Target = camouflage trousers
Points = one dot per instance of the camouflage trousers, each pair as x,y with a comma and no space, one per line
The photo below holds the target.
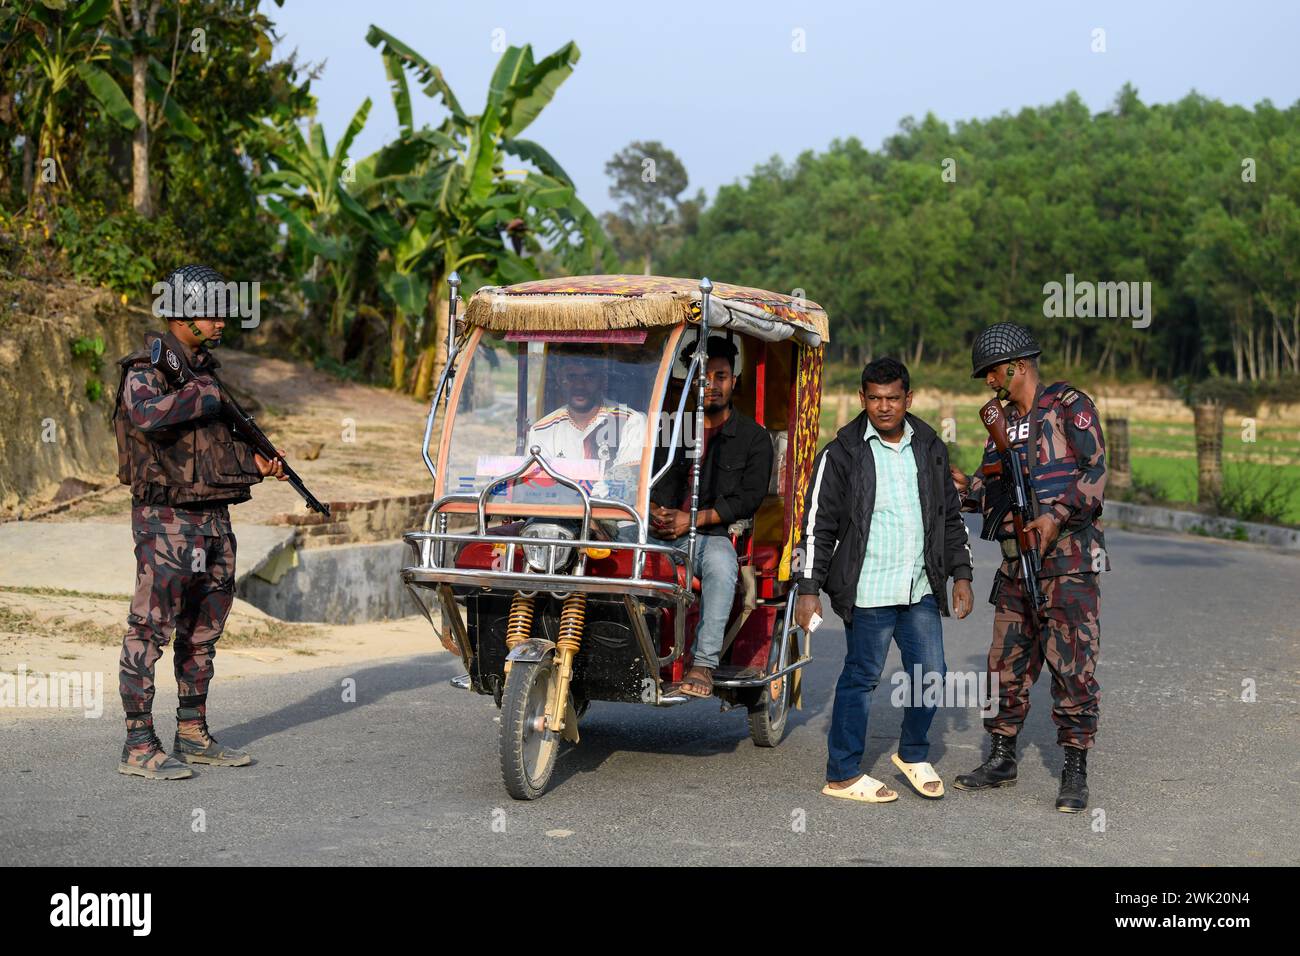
184,583
1068,639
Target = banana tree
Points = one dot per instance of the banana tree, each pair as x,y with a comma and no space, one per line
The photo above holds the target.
476,216
310,183
399,274
65,54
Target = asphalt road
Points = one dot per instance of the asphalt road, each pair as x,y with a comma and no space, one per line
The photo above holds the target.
1185,771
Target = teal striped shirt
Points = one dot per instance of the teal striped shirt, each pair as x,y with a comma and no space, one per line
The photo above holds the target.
893,569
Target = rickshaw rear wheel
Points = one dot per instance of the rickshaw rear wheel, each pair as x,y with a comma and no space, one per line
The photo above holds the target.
527,752
768,714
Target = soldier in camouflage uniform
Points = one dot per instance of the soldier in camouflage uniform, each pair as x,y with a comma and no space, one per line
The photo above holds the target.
1067,477
185,467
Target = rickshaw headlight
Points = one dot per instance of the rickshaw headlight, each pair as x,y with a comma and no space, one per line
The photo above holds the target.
538,555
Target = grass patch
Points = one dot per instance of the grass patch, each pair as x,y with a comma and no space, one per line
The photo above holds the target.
64,592
1165,479
1251,491
21,622
271,633
267,634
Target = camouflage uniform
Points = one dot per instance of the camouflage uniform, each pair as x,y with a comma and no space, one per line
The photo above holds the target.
185,468
185,581
1067,480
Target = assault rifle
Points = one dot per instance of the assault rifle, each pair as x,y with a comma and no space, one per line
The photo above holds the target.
1014,497
177,371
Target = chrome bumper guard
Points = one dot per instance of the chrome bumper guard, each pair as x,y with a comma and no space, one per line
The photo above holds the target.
431,574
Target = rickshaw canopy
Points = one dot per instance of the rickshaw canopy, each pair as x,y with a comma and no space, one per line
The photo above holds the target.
604,302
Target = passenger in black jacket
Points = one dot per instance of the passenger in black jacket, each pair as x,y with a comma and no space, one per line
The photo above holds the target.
734,474
883,534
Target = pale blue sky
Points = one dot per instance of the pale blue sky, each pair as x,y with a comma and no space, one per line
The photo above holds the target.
718,82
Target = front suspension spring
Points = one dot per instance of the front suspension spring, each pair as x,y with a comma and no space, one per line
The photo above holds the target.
573,619
520,626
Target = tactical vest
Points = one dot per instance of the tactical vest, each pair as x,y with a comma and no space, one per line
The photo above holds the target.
1053,467
197,463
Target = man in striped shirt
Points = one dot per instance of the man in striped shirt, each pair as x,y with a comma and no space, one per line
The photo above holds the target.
884,533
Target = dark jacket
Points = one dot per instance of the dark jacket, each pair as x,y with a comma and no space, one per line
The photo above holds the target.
173,448
734,475
837,516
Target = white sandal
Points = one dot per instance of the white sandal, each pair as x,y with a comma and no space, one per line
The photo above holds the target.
918,775
864,790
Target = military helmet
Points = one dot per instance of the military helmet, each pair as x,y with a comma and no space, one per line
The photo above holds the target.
194,292
1003,342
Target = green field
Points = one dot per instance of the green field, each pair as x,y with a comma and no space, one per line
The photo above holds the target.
1162,455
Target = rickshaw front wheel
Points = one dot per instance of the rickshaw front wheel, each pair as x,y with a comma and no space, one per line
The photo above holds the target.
528,749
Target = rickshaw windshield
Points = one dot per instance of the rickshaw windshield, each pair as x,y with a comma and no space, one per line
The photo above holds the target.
582,399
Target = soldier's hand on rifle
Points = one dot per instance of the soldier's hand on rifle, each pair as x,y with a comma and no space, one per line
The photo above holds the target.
963,599
1047,529
959,479
273,468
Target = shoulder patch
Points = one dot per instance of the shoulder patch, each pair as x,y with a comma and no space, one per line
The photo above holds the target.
1069,396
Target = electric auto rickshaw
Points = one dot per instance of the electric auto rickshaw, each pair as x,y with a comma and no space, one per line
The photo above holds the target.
537,564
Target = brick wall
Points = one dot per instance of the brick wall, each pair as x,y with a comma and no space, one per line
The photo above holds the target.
381,519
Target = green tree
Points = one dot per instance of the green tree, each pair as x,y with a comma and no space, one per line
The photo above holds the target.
61,56
309,181
648,180
444,199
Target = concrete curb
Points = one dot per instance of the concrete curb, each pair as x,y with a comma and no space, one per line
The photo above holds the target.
343,584
98,557
1188,522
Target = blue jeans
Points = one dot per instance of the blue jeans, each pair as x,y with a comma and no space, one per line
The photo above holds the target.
717,568
918,629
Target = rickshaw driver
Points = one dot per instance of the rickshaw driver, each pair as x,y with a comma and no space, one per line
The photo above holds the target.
589,425
735,470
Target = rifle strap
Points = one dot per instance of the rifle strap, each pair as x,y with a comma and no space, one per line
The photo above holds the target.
1031,452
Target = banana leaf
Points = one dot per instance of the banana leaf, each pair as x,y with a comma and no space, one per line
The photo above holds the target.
528,96
108,94
531,152
435,85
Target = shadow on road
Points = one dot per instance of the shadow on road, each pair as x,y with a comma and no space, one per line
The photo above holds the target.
377,682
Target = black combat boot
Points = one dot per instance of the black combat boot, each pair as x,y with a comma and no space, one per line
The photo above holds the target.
194,744
998,771
1073,795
